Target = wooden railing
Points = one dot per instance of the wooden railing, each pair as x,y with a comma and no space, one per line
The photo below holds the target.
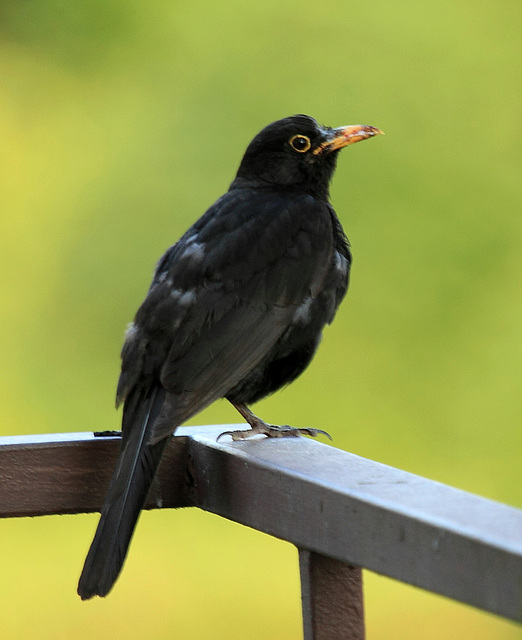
343,513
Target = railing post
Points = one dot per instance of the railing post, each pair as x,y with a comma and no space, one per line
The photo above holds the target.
332,598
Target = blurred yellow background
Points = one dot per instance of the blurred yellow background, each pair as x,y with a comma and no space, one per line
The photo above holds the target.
120,123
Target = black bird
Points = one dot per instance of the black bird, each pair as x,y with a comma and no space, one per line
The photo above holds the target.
235,310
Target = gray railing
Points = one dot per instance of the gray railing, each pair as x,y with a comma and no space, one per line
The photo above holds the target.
343,513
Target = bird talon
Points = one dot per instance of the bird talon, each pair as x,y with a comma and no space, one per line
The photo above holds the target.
237,435
315,432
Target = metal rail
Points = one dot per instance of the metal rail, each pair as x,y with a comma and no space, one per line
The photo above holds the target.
343,512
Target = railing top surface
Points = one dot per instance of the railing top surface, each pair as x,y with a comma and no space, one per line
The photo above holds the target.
332,502
378,484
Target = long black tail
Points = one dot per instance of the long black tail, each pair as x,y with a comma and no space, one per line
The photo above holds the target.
130,485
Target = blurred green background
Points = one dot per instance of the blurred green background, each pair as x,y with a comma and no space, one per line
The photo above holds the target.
120,122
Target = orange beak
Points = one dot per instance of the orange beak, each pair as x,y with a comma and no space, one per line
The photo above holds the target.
343,136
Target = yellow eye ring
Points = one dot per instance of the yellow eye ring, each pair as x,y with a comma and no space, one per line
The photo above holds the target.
300,143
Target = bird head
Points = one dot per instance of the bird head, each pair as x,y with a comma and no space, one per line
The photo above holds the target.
298,152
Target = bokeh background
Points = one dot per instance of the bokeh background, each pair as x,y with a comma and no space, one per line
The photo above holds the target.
120,122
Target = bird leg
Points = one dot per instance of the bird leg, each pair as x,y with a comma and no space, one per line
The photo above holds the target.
258,426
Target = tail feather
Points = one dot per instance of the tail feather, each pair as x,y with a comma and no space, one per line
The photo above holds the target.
130,485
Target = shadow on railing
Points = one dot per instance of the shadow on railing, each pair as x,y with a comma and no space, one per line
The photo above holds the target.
343,513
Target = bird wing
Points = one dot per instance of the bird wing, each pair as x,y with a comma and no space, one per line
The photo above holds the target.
223,295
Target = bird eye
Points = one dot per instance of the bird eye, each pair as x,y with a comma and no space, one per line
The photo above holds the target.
300,143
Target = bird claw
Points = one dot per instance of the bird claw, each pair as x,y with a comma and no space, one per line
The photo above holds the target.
274,431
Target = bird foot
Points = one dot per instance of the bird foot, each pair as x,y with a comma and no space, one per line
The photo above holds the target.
274,431
260,427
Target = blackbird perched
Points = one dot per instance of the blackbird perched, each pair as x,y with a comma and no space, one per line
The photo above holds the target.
235,310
